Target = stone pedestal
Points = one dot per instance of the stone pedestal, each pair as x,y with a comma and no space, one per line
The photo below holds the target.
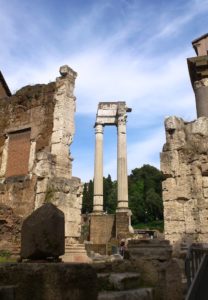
101,228
76,253
98,171
123,223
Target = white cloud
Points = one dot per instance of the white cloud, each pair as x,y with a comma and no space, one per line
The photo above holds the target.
114,61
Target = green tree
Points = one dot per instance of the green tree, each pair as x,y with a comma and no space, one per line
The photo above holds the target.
109,194
145,194
87,201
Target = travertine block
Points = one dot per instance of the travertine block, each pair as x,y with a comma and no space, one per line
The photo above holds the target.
175,226
205,181
200,126
171,207
184,161
205,190
204,168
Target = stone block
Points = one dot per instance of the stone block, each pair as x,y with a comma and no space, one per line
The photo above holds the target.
119,281
142,294
204,168
42,185
205,192
200,126
7,292
205,181
174,226
43,233
50,281
174,206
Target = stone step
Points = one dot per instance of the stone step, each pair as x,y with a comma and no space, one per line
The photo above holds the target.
141,294
118,281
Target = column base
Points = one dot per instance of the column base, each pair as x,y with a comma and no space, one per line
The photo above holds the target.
76,253
124,209
100,213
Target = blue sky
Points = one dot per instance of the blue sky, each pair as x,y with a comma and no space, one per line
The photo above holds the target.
123,50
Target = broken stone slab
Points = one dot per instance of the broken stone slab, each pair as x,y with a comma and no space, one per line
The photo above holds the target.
42,234
141,294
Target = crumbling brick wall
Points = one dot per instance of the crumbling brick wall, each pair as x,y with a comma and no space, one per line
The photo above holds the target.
36,129
31,108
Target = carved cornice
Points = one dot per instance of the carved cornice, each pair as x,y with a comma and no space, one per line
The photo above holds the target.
198,68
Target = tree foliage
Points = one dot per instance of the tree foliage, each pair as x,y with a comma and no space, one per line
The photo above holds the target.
145,194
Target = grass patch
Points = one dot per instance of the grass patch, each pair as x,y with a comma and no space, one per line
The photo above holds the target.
5,256
7,259
159,225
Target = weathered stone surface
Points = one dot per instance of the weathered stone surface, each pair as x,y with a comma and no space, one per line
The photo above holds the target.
141,294
46,112
153,259
10,227
42,234
44,281
7,292
184,162
119,281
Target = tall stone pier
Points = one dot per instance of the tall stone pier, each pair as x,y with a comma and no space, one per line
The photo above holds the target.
111,114
184,162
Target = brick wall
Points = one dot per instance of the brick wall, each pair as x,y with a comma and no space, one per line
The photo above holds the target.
18,153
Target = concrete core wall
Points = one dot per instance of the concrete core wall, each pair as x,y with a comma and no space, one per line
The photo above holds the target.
36,130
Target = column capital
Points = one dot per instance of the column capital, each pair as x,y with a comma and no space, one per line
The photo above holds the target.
122,119
98,128
199,83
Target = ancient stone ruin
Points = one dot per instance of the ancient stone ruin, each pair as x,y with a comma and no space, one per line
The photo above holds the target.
184,162
110,114
36,130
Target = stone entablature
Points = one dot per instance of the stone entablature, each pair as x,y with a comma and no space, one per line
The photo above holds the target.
46,114
184,163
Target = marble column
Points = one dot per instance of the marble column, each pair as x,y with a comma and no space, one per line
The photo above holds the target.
201,95
122,177
98,170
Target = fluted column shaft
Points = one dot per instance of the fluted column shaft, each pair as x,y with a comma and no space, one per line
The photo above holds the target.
98,170
122,178
201,95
